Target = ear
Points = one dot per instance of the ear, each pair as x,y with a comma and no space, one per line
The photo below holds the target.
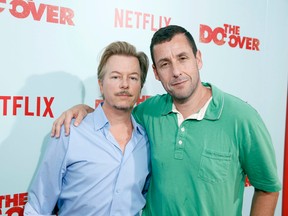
155,72
100,83
199,59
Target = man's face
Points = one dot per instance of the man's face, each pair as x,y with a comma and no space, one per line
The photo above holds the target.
177,68
121,85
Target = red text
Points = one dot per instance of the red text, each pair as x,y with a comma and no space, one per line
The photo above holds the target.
1,8
39,106
139,20
41,12
230,33
13,204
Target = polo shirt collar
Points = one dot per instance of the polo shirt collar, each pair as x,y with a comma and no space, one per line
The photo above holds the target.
216,105
169,105
214,109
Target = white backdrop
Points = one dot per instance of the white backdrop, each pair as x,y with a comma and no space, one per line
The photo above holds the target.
49,55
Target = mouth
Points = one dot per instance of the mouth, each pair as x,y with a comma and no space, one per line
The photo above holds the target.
124,94
178,82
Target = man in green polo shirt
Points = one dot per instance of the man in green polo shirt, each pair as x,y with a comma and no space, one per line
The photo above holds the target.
204,142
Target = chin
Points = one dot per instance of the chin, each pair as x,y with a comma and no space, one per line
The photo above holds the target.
181,98
123,107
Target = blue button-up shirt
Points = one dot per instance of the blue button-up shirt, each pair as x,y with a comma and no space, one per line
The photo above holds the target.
86,173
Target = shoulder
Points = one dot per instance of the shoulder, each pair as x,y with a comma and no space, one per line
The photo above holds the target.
152,107
86,124
239,107
242,114
154,103
232,104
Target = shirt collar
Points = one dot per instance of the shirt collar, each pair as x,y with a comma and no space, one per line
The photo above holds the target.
198,116
214,109
216,105
101,121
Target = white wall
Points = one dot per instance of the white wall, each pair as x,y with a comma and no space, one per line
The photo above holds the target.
52,66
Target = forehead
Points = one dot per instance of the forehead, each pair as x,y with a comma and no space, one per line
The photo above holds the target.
122,64
178,44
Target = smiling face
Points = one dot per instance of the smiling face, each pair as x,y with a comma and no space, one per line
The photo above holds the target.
121,84
177,68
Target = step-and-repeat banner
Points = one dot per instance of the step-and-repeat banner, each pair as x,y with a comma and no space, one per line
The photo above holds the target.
49,52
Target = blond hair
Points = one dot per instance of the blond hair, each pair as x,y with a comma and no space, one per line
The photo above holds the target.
126,49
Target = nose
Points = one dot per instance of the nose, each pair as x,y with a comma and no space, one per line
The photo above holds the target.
124,83
176,70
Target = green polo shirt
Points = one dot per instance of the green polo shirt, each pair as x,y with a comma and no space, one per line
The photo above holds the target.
200,167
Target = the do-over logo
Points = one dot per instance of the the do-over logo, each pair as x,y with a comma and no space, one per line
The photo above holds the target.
229,34
22,9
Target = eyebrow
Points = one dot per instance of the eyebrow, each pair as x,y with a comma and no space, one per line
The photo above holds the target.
167,59
182,53
162,60
132,73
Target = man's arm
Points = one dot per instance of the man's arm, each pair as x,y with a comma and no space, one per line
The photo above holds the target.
78,112
46,186
264,203
29,210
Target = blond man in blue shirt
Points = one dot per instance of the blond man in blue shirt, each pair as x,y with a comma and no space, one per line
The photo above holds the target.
103,166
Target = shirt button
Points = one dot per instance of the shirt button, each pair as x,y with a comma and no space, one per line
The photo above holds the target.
180,142
117,191
182,129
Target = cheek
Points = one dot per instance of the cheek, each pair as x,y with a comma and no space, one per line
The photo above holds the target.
136,88
164,79
106,88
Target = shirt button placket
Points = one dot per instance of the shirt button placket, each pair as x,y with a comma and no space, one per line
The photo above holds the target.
115,206
179,148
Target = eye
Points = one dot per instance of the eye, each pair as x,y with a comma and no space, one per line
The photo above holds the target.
134,78
114,77
164,64
182,58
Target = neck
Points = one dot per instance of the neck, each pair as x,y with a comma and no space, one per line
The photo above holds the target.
195,102
121,126
117,116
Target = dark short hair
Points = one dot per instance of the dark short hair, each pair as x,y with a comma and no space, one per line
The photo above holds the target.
166,34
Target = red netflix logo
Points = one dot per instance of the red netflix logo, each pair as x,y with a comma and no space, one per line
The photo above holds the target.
39,106
139,20
41,12
13,204
230,34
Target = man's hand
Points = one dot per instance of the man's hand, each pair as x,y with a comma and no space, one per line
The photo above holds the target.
78,112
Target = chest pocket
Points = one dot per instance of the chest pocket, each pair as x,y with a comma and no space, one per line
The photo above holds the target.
214,166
